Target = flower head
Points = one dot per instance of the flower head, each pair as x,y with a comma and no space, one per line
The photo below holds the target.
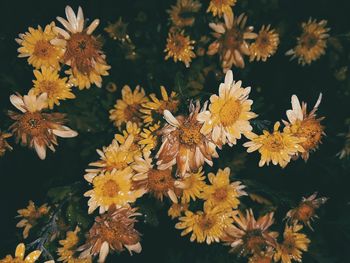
265,45
312,43
177,209
19,256
131,129
221,7
182,14
192,185
149,137
34,128
3,143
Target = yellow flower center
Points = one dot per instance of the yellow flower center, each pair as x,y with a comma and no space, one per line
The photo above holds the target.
160,181
311,130
50,87
33,123
43,49
230,112
110,188
206,223
274,142
220,194
190,133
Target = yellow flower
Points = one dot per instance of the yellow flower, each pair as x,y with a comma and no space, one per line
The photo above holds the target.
222,193
265,44
182,14
112,188
149,137
293,245
82,51
36,45
192,185
312,43
134,130
154,109
276,147
117,30
229,113
127,108
179,47
19,256
305,125
230,43
206,226
3,143
221,7
29,216
48,81
177,209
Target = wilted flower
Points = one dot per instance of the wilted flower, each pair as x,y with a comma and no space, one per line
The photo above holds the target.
3,143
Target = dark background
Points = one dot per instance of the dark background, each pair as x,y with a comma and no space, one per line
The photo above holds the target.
23,176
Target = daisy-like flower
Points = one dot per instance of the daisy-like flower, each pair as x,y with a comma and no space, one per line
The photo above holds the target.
179,47
48,81
34,128
113,231
250,236
118,30
127,108
221,192
192,186
149,137
305,125
19,256
160,183
293,245
112,157
177,209
3,143
312,43
265,45
183,143
36,45
182,14
230,43
30,216
67,251
221,7
112,188
82,51
305,212
276,147
229,113
133,129
154,109
206,226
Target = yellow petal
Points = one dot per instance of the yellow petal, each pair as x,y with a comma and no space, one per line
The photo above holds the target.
33,256
20,249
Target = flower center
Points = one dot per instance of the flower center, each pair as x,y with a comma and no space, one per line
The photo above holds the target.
254,240
132,113
263,40
311,130
190,133
43,49
220,194
160,180
206,223
233,38
289,244
230,112
50,87
274,142
305,212
33,123
308,40
110,188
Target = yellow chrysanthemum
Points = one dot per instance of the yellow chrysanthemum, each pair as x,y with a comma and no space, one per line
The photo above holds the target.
179,47
312,43
3,143
276,147
206,226
293,245
130,129
149,138
221,7
192,186
154,109
222,193
177,209
229,113
29,216
48,81
265,45
36,45
112,188
127,108
19,256
182,14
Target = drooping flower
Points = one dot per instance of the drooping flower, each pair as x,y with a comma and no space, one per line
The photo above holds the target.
221,7
183,143
265,45
221,192
117,30
113,231
30,216
305,125
149,138
34,128
305,212
179,47
182,14
127,108
154,109
207,225
229,113
276,147
19,256
249,236
48,81
36,45
3,143
230,43
312,43
82,51
112,188
293,245
177,209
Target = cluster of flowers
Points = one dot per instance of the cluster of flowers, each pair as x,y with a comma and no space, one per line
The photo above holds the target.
234,40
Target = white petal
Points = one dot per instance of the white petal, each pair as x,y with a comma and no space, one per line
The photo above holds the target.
71,18
80,19
171,119
18,102
65,23
40,150
65,133
103,252
92,26
229,77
